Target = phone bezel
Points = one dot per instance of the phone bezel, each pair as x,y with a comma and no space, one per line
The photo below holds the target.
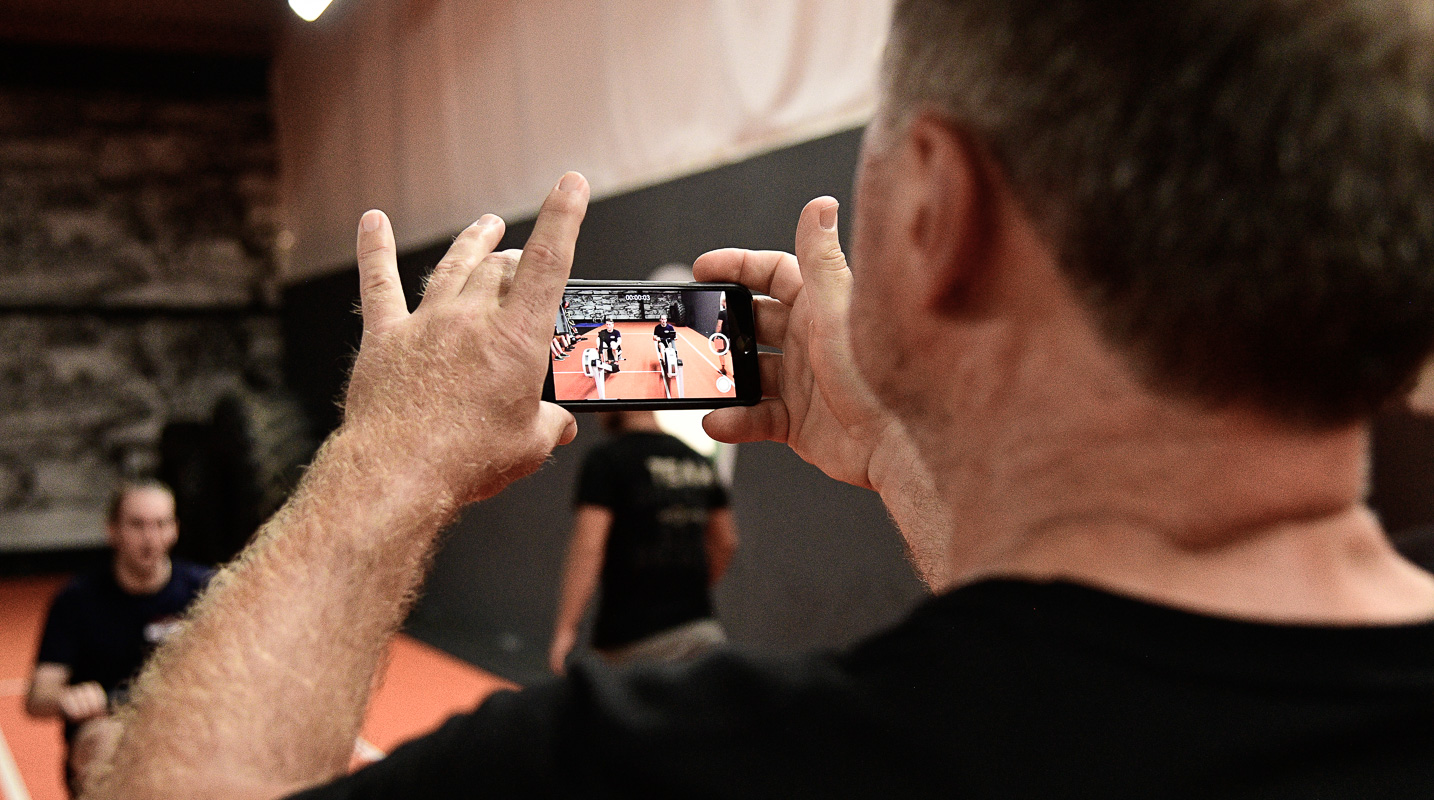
746,375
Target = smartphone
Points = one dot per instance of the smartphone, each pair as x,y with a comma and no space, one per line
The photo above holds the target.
621,346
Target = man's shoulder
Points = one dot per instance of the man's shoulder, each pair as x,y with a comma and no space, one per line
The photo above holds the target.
87,585
642,445
664,442
998,689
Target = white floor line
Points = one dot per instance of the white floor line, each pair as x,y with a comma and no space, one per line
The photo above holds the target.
13,687
12,786
698,348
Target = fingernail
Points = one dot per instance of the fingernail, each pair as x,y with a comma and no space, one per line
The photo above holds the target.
487,220
828,218
370,221
569,182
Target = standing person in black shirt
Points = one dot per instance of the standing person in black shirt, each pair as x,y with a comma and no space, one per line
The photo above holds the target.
1176,255
104,624
722,329
652,526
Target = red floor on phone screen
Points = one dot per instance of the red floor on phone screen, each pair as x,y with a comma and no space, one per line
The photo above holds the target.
639,376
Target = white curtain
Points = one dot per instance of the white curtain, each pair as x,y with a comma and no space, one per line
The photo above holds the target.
440,110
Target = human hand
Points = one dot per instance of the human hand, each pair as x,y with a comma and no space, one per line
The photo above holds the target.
84,701
816,401
451,392
563,643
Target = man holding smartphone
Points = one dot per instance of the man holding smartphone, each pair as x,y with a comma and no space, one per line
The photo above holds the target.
1177,254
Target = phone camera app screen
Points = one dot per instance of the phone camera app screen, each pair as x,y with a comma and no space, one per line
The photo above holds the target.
654,344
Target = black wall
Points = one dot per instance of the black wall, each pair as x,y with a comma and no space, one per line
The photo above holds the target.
820,563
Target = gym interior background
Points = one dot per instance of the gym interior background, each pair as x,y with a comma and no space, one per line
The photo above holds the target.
177,290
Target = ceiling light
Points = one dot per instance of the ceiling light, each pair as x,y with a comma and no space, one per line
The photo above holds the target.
309,9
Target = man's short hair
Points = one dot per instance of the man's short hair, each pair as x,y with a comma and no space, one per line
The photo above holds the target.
1240,192
124,488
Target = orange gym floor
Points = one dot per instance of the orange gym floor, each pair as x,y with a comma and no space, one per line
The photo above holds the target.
640,376
421,688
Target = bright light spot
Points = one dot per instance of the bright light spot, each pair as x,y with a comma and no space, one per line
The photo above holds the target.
309,9
687,426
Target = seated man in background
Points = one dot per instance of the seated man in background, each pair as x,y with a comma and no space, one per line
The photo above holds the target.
610,346
663,333
652,524
664,337
1177,254
104,624
558,349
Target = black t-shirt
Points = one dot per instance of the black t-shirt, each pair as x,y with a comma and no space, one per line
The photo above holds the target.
104,634
609,338
654,573
1004,689
664,333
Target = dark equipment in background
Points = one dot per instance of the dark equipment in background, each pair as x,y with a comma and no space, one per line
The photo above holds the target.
231,473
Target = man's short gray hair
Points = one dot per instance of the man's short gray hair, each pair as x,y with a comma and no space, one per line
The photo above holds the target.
1241,191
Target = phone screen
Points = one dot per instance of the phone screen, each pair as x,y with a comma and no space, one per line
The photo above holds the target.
653,345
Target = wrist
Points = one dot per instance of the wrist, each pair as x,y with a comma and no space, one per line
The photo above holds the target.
379,482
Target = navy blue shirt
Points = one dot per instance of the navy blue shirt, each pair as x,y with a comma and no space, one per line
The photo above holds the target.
104,634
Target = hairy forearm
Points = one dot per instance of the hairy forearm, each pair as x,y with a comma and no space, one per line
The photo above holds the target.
266,688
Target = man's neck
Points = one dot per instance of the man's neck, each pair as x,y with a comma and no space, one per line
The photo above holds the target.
1055,460
1227,514
140,580
1077,471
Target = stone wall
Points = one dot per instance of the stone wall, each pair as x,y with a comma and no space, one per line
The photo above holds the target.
136,286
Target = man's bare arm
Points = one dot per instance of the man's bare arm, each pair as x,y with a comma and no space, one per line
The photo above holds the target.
720,541
51,695
263,692
586,551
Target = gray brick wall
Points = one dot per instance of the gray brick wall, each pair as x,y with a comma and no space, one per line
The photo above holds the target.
136,285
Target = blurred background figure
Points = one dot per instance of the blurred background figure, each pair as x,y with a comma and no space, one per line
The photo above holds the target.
104,624
652,526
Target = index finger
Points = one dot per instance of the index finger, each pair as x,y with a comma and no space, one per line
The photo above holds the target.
380,291
769,272
547,258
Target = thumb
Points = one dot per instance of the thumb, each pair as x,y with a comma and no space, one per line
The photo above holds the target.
556,424
824,272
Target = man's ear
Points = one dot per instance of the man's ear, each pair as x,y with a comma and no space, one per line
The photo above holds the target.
951,214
